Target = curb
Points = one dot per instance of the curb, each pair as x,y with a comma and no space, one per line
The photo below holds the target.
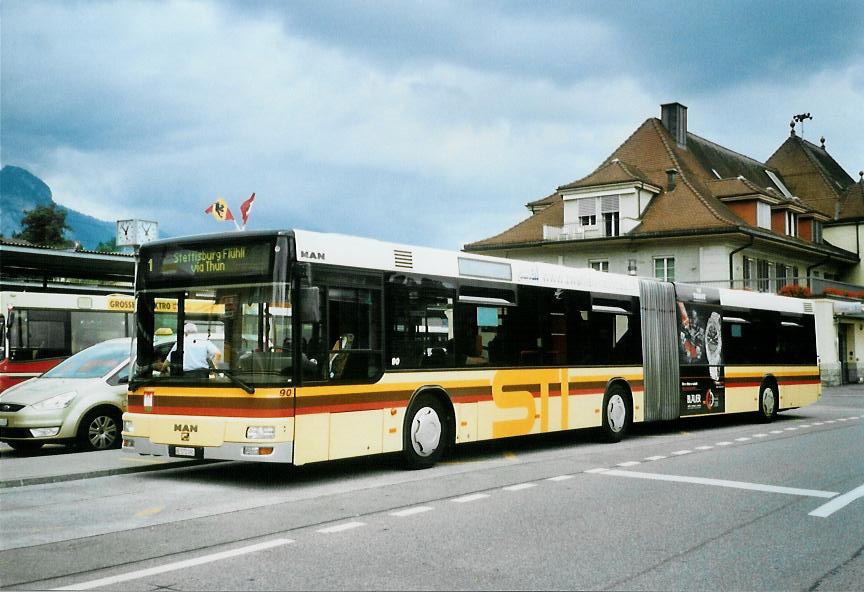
24,481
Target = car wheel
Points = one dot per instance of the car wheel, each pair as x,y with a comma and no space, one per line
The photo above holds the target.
25,445
99,430
427,433
767,403
616,413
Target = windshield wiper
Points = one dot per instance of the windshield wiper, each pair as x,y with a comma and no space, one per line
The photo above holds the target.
244,385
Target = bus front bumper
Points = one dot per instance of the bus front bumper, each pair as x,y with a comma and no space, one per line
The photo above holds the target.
279,452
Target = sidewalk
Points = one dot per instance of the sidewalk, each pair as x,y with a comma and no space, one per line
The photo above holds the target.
55,464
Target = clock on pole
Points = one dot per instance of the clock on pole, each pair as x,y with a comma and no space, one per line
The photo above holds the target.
136,232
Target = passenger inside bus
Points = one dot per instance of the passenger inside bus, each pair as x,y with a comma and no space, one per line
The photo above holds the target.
199,354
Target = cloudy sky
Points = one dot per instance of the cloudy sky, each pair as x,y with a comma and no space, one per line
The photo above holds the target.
431,123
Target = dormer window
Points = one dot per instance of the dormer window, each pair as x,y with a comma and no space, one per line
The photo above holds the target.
763,215
791,223
817,231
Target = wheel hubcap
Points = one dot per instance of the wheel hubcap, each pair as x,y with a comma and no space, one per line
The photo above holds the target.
616,413
768,401
102,432
425,431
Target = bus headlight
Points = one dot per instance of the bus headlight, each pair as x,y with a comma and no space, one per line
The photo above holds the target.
260,433
128,426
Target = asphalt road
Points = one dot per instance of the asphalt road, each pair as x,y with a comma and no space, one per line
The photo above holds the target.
708,503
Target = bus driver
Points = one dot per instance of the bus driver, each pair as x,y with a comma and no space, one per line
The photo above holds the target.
199,355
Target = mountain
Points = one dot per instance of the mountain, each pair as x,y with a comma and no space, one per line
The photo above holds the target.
21,191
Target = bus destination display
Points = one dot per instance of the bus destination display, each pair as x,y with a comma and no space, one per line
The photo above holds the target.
209,262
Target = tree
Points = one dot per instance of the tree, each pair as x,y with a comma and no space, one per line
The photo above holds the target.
44,225
109,246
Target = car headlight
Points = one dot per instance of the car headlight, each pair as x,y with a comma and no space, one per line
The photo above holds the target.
56,402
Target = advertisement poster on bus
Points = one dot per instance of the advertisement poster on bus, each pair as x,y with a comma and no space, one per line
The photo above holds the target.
700,350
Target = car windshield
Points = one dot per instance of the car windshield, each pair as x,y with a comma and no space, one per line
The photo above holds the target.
94,362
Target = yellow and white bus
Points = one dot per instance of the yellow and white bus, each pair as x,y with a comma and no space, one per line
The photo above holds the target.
338,347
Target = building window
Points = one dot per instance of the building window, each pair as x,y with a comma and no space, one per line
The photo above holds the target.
791,223
610,223
749,273
762,275
795,278
587,208
599,264
817,231
664,268
763,215
782,272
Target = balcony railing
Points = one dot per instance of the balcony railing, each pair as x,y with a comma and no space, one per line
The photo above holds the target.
572,232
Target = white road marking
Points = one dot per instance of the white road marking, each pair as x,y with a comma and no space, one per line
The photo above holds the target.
411,511
815,423
776,432
560,478
629,463
599,470
681,452
841,419
469,498
742,439
830,421
760,435
838,503
519,486
789,429
724,443
721,483
658,457
806,425
341,527
704,447
143,573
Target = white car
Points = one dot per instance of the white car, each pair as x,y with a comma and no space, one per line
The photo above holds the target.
79,401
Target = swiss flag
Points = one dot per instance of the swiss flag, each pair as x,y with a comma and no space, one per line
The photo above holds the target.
246,207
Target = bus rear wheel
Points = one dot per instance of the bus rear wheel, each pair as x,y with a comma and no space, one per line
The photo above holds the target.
426,434
768,403
617,414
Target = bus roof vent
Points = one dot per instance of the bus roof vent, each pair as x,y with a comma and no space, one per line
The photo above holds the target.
403,259
808,307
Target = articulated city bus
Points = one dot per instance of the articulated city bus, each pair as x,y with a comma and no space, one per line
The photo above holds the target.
338,347
38,330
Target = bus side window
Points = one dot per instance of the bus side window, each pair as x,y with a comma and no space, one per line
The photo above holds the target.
353,334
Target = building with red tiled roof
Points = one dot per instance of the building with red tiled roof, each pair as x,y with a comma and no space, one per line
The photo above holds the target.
668,203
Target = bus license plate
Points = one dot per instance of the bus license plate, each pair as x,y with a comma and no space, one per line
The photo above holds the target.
184,451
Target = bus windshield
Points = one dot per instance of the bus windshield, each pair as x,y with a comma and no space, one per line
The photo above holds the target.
237,334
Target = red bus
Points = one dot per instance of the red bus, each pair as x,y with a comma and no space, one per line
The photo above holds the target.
38,330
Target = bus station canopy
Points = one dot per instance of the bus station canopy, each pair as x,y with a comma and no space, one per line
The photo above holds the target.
24,266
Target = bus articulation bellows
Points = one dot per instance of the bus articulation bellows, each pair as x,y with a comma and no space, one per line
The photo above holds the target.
338,347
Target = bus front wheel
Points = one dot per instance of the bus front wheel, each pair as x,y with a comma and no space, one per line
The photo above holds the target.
427,432
617,415
768,402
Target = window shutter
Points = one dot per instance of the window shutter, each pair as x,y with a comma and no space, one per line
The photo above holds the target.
608,204
587,206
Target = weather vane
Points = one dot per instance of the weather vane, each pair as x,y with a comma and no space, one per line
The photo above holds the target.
799,119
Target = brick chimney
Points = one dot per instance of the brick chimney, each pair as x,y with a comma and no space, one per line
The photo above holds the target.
674,118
